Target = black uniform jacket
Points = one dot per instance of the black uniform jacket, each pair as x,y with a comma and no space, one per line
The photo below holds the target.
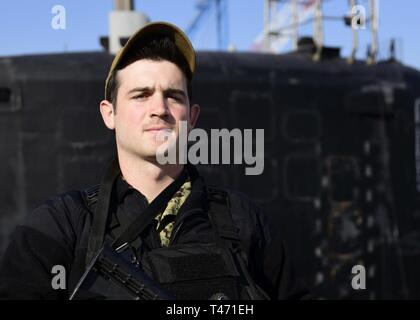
56,233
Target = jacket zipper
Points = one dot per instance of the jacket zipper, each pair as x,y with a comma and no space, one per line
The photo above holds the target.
175,233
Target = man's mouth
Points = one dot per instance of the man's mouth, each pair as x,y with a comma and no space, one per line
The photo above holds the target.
157,129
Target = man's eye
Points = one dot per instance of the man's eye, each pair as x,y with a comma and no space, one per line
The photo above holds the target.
140,96
176,98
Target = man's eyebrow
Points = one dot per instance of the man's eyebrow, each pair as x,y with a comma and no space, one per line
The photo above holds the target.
168,91
140,89
175,91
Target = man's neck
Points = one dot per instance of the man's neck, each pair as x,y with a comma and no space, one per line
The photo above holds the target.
148,177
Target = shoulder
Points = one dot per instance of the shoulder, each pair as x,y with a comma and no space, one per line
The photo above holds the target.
48,236
248,216
242,205
60,216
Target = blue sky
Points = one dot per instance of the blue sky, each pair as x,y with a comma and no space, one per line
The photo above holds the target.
26,25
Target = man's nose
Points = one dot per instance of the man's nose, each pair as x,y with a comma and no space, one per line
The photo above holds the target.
159,106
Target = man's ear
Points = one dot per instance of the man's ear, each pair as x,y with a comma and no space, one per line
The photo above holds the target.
107,112
194,113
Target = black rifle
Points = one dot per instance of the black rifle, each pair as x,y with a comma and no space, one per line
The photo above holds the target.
111,275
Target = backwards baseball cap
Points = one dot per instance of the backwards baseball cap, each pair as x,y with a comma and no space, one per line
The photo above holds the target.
158,29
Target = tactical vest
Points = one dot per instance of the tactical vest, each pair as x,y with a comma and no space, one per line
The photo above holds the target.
188,271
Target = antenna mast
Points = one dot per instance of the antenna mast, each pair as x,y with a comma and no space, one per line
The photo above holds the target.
373,48
318,31
355,35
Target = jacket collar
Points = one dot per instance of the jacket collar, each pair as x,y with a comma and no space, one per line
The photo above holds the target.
195,200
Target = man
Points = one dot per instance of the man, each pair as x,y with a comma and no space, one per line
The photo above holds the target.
194,240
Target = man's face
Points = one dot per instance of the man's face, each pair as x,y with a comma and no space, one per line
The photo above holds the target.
152,97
